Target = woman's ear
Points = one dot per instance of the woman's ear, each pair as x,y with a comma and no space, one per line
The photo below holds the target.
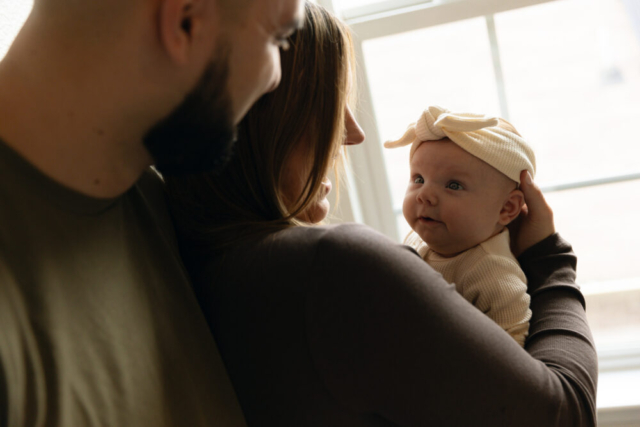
511,207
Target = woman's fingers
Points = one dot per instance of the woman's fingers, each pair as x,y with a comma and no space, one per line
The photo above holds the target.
536,219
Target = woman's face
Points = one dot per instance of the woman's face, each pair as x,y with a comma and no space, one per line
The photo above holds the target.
299,166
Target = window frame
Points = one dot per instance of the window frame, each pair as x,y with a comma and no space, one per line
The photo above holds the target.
369,196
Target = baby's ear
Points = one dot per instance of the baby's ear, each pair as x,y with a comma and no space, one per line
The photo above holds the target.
511,207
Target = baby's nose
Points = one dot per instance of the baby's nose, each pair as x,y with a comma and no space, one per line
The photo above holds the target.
428,195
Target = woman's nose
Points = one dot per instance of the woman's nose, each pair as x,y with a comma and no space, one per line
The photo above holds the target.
353,132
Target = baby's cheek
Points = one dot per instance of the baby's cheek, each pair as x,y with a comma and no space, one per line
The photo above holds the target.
464,219
408,207
477,225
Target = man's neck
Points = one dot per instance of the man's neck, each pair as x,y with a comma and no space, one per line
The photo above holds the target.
65,117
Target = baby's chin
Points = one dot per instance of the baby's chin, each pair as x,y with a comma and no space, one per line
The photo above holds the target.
448,249
446,246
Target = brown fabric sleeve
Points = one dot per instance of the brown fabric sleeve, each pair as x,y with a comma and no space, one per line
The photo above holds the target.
559,334
392,339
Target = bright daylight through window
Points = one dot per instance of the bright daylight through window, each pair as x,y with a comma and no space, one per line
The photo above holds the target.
573,92
566,73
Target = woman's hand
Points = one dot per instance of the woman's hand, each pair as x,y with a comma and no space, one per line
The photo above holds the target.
535,222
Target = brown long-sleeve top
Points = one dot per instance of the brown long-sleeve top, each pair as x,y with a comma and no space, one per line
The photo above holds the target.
339,326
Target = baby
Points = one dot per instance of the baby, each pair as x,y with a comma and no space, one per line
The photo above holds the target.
462,193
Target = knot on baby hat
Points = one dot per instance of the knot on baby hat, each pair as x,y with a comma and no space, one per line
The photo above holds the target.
481,136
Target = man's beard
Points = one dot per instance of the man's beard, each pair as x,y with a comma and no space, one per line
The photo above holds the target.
198,135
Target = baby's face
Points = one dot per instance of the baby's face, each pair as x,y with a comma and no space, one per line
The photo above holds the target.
454,199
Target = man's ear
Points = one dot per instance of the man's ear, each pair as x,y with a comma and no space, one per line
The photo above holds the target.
511,207
180,22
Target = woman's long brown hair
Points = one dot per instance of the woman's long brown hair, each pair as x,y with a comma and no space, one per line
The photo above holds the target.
244,199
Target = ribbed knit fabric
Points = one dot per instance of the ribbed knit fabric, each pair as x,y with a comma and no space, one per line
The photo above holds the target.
477,134
489,277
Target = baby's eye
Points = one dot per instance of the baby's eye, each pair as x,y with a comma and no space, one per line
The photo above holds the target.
418,180
454,186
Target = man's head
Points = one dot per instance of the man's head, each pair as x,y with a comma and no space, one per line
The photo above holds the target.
197,136
187,70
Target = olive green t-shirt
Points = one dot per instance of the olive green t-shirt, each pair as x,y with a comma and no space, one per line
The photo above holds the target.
98,322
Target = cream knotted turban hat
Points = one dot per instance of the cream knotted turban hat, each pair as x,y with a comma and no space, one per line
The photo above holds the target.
477,134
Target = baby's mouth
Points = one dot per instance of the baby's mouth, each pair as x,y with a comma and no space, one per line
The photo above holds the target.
429,220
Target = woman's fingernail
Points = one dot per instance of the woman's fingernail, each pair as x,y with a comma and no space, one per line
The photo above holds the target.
528,178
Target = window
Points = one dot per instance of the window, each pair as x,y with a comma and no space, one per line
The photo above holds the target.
12,16
566,73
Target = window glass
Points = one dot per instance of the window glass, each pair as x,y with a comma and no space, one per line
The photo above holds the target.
448,65
366,7
12,16
572,81
572,78
350,4
601,223
574,91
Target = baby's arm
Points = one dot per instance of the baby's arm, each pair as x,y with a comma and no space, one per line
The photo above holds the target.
497,286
